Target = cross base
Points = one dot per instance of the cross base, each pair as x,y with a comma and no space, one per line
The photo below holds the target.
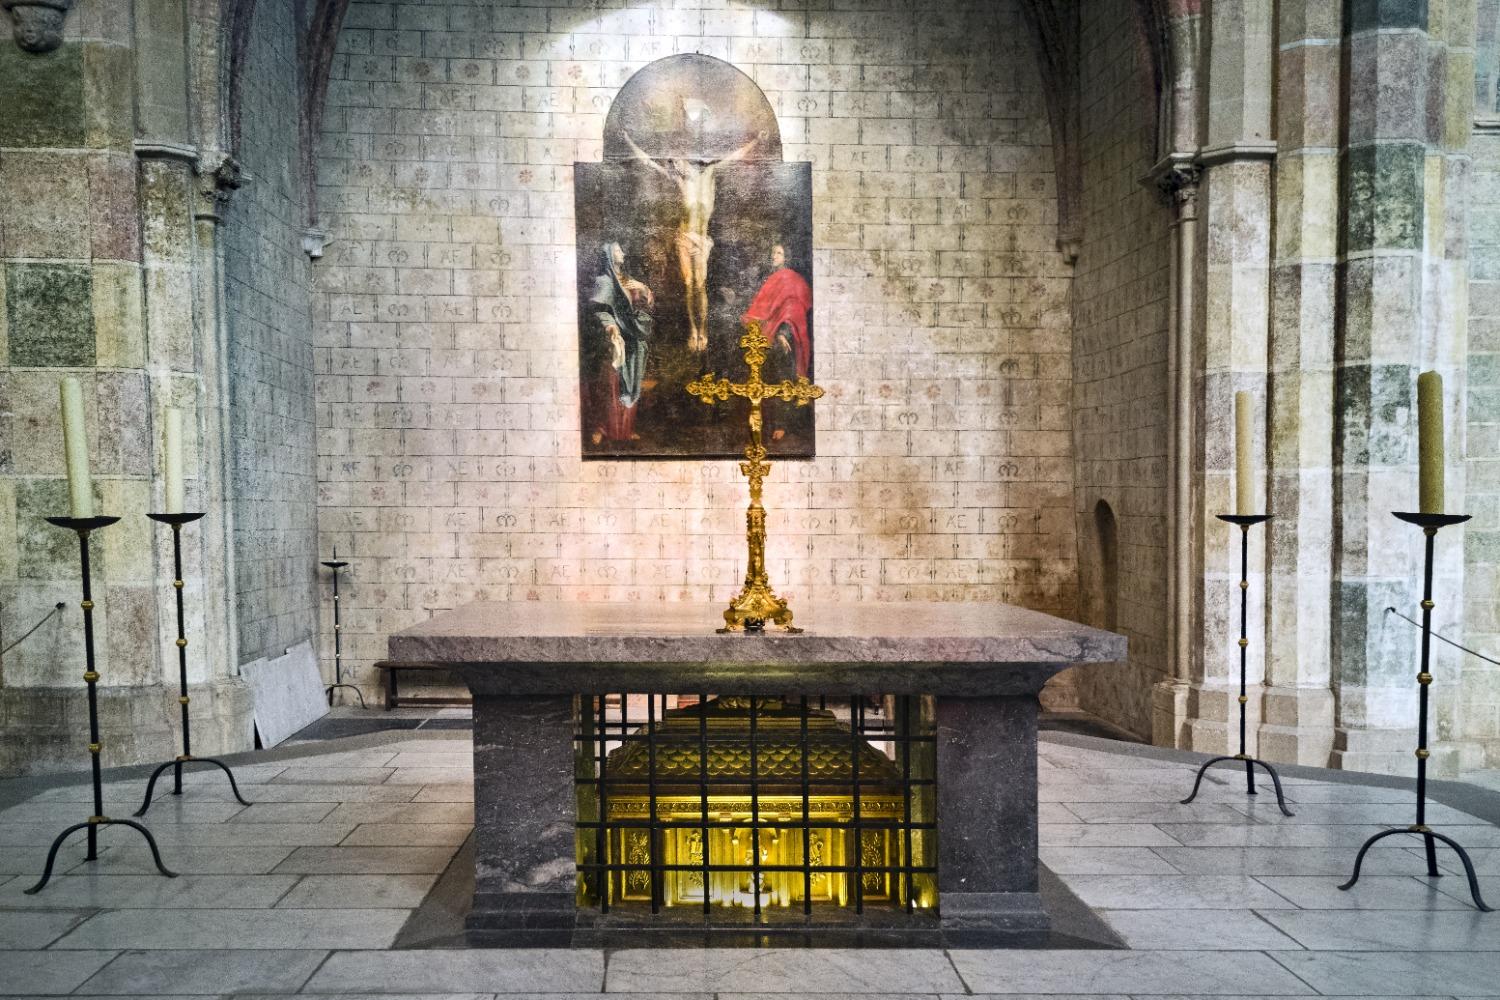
756,605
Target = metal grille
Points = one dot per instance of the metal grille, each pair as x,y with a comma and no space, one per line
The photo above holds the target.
754,808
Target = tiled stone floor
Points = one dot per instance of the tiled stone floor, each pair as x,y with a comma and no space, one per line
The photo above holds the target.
305,891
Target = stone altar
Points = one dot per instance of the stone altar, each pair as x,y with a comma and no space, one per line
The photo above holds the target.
983,663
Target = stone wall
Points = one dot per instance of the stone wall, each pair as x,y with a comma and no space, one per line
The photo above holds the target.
270,351
446,342
1120,301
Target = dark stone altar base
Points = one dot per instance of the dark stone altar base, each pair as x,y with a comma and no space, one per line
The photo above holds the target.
440,923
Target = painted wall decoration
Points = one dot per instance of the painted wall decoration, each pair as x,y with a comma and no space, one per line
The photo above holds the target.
690,226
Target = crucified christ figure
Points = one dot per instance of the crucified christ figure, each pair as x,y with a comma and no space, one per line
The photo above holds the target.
697,181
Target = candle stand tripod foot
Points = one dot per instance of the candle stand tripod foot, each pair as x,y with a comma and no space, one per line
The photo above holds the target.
186,757
1244,521
1429,523
357,693
92,825
1429,836
84,526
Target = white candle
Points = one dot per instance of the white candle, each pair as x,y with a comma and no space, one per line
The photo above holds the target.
76,447
1244,442
175,488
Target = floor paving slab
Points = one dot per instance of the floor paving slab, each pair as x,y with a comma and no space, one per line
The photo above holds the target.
445,793
1373,892
1103,835
1209,973
1196,930
285,812
222,971
1404,973
1388,930
36,930
1329,861
367,860
358,891
189,859
1105,861
92,890
238,929
408,835
1173,892
48,972
735,970
513,970
402,812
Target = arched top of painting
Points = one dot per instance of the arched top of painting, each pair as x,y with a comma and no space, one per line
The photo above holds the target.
691,107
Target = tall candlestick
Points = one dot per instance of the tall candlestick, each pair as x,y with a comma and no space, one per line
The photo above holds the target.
1430,442
76,447
175,490
1244,468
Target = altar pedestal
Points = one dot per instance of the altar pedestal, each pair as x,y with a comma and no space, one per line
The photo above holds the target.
527,663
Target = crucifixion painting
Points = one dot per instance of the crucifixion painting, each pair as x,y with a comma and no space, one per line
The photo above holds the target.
691,227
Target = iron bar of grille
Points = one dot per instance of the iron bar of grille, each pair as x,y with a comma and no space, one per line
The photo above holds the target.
601,839
787,824
703,798
905,709
856,733
651,854
754,814
806,821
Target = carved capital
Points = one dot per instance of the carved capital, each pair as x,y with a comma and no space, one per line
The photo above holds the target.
1177,179
219,176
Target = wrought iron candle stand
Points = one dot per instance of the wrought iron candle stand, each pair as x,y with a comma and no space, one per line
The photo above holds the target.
186,757
338,642
1244,521
1429,523
84,526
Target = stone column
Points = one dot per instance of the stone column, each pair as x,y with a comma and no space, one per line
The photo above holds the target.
1403,292
72,305
987,788
1297,707
525,812
1231,328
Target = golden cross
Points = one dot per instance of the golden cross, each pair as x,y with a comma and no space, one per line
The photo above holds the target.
757,603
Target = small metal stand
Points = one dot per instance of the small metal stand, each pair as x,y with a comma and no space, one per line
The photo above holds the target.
1429,523
1244,521
338,643
83,526
186,757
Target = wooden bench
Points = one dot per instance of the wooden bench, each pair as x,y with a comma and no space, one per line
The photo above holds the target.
393,698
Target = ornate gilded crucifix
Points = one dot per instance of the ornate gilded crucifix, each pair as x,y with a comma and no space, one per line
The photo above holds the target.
757,603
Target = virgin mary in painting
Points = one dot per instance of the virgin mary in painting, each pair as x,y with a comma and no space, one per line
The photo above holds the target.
620,309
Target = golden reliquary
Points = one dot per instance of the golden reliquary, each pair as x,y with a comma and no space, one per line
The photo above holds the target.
778,776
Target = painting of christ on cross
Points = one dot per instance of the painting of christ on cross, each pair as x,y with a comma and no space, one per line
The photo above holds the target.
691,228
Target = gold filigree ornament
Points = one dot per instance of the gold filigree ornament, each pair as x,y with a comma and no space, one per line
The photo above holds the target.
757,603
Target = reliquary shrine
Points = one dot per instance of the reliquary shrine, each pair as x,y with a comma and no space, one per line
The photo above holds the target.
769,803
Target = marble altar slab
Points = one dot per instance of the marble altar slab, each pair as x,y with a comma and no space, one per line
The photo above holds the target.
965,649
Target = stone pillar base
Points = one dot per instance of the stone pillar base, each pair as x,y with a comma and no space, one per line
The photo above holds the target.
1296,726
1213,724
1390,751
1169,700
47,729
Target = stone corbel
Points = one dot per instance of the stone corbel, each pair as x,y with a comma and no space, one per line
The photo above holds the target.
38,23
1177,179
219,176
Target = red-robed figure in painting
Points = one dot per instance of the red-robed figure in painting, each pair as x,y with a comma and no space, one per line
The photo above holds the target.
781,307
